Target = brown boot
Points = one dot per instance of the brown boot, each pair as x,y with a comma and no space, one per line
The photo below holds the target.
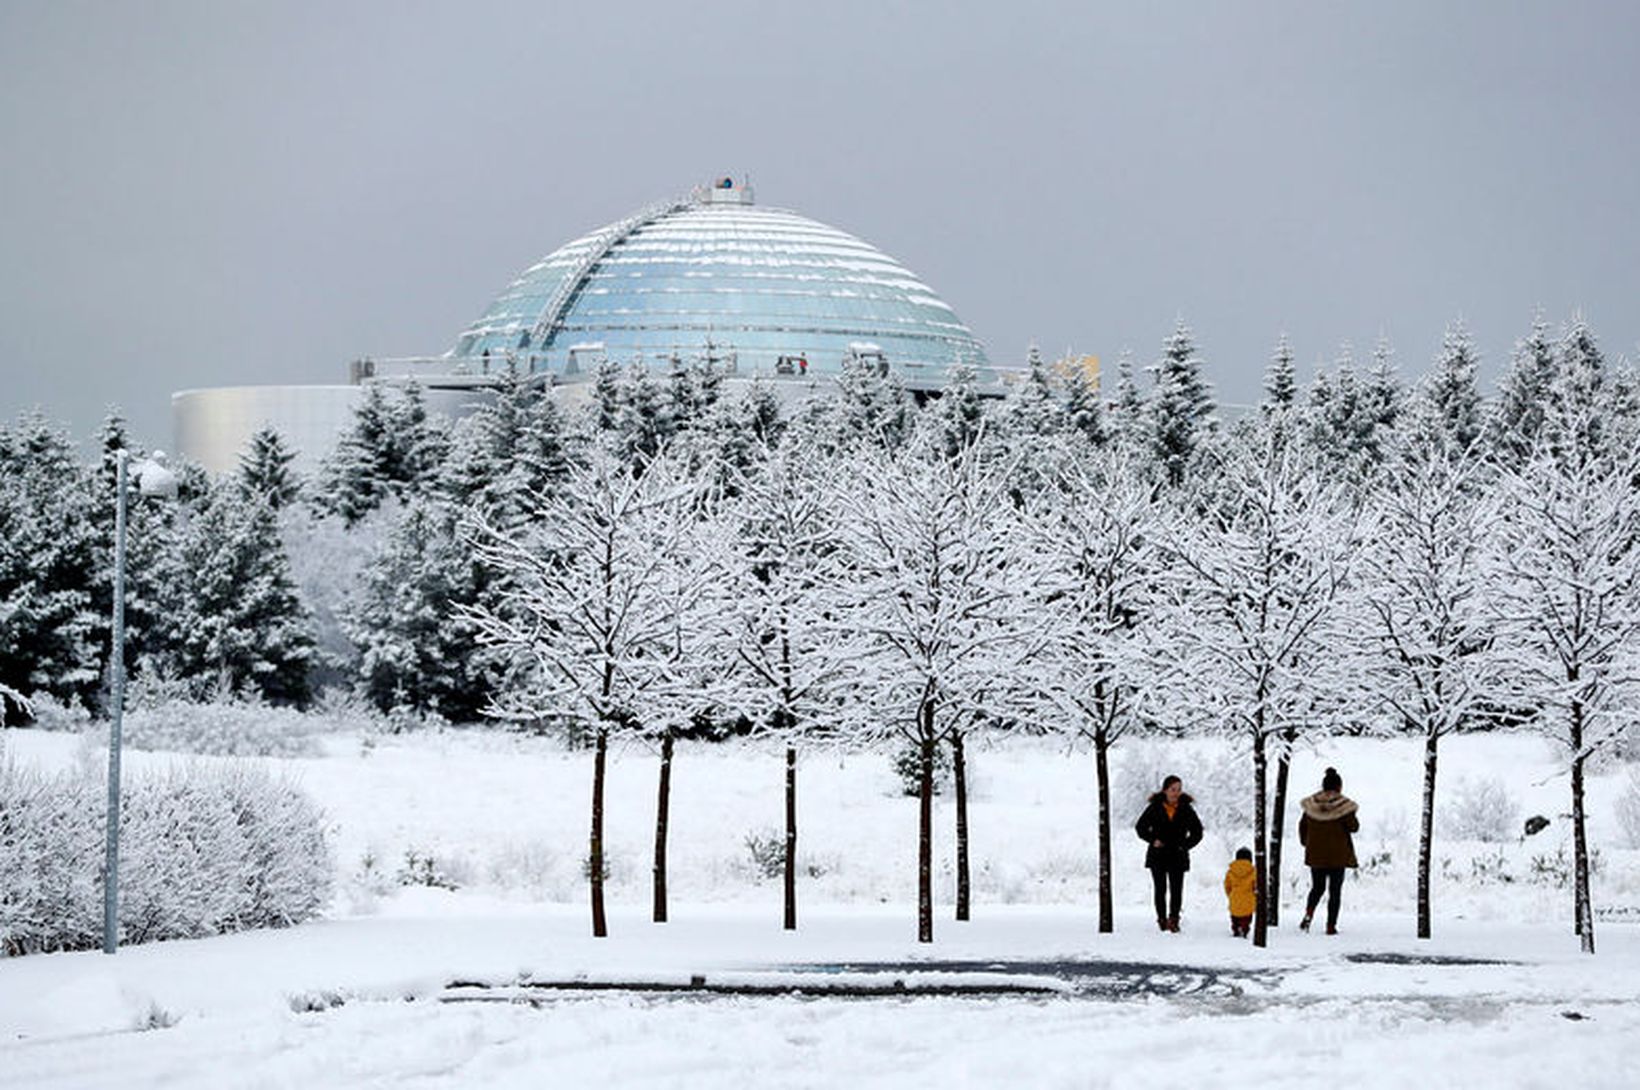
1173,924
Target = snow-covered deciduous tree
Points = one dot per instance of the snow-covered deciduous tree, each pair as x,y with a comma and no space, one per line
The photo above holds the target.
1423,587
933,611
790,676
585,628
1257,563
1095,536
1567,599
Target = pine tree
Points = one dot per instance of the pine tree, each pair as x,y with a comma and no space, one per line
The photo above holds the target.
1280,388
231,619
52,627
265,469
1128,409
1384,394
418,645
1083,412
1031,408
1447,404
959,414
1516,417
355,477
1180,409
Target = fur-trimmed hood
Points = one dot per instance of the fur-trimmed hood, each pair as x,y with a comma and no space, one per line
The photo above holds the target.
1158,796
1324,806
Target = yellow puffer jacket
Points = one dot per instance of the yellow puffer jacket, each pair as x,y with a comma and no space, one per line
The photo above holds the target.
1240,882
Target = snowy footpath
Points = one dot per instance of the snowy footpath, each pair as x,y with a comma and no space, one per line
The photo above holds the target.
368,1002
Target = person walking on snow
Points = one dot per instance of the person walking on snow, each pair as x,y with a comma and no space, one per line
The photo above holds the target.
1324,829
1171,828
1240,886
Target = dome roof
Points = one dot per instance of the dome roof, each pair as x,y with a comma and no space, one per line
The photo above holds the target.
715,274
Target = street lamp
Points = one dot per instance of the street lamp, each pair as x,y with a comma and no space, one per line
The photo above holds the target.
153,479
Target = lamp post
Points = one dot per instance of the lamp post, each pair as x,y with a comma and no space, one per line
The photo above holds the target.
153,479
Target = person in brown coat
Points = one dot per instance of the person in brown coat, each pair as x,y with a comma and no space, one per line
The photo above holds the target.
1324,829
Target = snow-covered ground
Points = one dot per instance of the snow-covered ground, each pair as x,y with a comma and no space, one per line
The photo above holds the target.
362,998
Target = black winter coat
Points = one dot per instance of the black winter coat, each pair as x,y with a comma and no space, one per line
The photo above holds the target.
1178,834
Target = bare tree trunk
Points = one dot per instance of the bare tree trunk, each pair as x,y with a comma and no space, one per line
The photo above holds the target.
959,772
791,838
1426,831
1101,768
1260,841
1278,822
1581,906
595,856
663,800
925,827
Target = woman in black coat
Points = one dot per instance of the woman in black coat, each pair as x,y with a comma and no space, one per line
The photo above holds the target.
1171,828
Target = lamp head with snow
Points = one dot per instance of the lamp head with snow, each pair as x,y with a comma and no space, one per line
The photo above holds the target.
154,479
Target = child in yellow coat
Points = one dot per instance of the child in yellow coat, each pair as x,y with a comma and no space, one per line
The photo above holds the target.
1240,885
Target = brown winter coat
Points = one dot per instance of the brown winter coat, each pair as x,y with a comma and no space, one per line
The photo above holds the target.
1324,829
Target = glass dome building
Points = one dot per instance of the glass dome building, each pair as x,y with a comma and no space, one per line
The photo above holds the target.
714,276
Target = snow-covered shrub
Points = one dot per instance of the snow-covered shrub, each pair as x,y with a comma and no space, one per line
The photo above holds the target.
228,728
767,848
1221,786
1628,809
1481,809
438,871
908,769
50,713
51,853
202,851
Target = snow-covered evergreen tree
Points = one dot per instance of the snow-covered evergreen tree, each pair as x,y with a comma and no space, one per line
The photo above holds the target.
958,415
265,469
1280,385
1031,408
1515,418
1180,410
1446,409
1083,412
393,448
417,648
51,556
225,611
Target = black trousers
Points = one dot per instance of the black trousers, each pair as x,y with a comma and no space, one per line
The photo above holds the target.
1168,882
1331,881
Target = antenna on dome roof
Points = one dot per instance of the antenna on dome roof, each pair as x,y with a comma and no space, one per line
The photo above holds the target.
724,190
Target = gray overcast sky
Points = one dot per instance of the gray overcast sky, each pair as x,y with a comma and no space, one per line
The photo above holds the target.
221,193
